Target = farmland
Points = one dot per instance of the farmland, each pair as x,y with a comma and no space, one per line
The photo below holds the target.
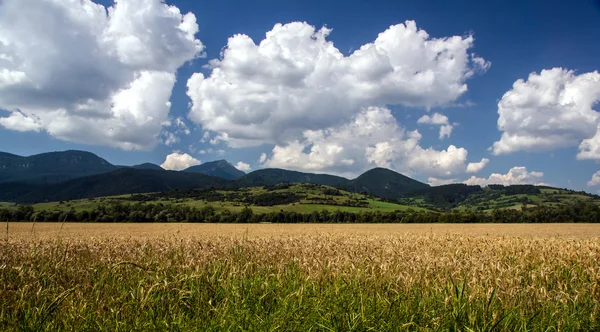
76,276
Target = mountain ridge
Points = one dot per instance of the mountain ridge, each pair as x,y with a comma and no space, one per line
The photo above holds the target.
119,182
51,167
219,168
76,174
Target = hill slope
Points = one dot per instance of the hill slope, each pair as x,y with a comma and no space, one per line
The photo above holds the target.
148,166
219,168
119,182
271,176
385,183
51,167
494,197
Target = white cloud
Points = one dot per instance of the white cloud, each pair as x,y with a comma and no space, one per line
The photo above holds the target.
19,122
223,137
242,166
433,181
476,167
549,110
179,161
439,120
590,148
595,180
296,80
445,131
371,138
436,119
516,175
90,74
263,158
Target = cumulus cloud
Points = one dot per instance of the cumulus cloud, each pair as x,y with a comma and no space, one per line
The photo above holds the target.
590,147
550,110
89,74
223,137
179,161
242,166
516,175
439,120
476,167
436,119
433,181
372,138
20,122
295,80
595,181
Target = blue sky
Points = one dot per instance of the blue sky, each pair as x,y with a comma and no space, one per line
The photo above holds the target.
516,38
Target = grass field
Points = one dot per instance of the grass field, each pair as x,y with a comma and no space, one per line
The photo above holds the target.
272,277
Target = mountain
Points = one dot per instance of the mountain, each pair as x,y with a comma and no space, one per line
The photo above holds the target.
218,168
119,182
148,166
271,176
378,181
74,174
385,183
51,167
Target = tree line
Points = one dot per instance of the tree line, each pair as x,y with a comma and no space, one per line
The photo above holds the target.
139,212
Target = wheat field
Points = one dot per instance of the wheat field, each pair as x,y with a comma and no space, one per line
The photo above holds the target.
300,277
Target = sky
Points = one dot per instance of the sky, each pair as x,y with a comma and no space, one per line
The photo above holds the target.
477,92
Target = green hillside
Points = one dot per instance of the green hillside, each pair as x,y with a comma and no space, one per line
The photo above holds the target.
385,183
380,182
272,176
495,197
300,198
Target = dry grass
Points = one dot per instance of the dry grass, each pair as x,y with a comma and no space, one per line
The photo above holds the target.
300,277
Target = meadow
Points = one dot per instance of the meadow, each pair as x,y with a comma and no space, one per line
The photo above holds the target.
324,277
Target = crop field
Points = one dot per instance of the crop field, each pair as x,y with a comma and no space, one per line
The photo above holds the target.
273,277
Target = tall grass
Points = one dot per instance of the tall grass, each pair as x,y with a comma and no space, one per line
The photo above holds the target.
301,283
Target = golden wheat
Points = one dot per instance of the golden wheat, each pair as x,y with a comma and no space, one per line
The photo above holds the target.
529,273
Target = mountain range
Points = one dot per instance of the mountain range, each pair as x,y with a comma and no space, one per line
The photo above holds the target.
79,174
51,167
219,168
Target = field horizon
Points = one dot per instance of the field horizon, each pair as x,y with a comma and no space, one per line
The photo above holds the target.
76,230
